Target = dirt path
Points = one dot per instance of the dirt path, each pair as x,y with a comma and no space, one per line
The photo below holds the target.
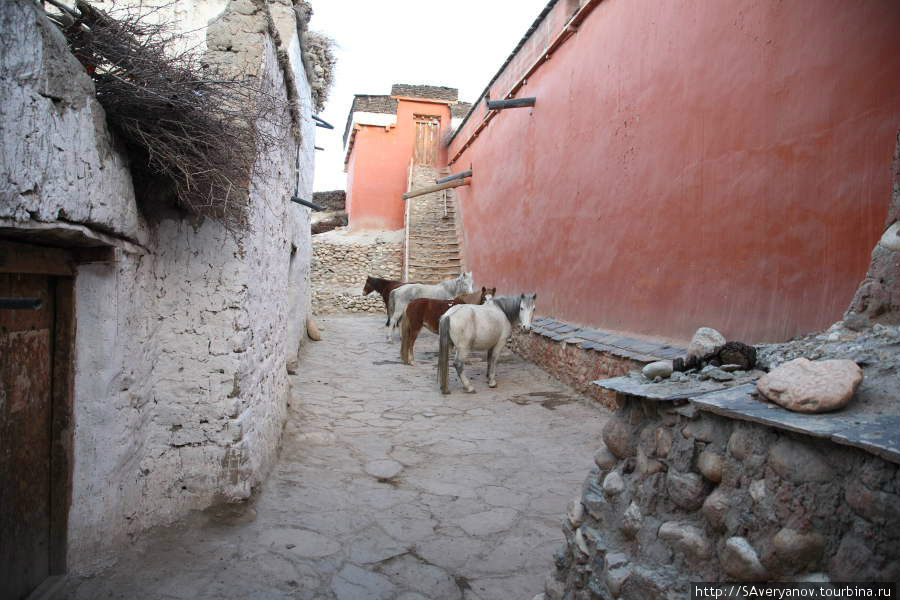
385,488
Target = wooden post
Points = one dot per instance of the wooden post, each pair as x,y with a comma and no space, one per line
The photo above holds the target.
462,175
511,103
435,188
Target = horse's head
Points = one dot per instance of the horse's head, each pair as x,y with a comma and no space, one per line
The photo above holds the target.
466,280
368,289
526,310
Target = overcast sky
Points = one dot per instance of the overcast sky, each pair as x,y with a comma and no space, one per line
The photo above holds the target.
458,44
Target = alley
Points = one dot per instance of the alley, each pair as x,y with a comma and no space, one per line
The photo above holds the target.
385,488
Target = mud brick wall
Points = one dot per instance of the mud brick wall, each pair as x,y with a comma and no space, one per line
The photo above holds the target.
340,269
679,495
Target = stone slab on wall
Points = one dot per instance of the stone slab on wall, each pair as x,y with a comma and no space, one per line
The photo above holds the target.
341,263
579,355
680,495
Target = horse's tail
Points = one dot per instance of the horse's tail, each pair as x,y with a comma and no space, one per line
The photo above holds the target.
405,334
444,353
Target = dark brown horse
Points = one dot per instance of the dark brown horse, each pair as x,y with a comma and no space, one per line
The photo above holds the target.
427,312
382,286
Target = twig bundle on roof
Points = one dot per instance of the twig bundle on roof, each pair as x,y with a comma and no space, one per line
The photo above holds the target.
183,120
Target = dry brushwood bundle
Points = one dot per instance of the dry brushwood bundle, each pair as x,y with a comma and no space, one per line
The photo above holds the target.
182,120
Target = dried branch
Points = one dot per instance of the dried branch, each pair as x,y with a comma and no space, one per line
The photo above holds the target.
183,120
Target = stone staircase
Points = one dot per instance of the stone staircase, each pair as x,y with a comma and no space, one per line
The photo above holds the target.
432,244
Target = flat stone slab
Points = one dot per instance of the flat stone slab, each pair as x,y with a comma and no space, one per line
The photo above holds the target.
605,341
670,391
384,468
852,426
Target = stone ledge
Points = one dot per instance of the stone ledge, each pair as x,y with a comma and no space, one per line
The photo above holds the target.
854,426
605,341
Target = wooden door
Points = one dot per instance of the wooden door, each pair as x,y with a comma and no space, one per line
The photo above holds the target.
428,131
26,366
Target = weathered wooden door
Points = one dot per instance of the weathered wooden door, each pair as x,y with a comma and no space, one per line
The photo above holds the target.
428,131
26,355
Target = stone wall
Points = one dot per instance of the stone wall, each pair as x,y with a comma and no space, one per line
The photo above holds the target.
679,495
573,365
341,263
424,91
331,200
182,342
580,355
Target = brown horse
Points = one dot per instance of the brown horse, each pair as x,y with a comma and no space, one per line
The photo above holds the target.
427,312
382,286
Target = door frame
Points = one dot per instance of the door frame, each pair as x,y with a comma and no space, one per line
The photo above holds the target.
59,265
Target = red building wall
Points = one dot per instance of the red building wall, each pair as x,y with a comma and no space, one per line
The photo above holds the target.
377,168
692,163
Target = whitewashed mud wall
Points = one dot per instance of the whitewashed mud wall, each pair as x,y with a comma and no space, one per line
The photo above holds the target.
182,344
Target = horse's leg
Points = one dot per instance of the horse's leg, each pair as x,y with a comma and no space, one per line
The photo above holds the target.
459,363
493,356
414,329
391,321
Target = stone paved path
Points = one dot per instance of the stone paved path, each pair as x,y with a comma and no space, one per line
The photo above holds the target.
385,488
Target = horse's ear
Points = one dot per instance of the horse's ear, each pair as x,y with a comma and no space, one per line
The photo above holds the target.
483,290
534,296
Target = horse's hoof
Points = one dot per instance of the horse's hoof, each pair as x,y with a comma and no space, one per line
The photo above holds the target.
470,390
492,384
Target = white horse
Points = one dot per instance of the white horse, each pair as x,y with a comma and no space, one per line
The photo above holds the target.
480,327
403,295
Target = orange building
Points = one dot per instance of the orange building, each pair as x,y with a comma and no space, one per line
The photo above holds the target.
383,137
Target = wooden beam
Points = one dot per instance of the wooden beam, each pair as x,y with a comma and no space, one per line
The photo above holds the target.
462,175
40,260
435,188
511,103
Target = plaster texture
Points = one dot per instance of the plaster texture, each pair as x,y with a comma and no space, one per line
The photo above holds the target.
676,191
183,342
58,160
384,488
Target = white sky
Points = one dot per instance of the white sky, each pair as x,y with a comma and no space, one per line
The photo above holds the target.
457,44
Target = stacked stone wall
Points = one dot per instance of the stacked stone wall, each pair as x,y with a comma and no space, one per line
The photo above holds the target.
340,269
679,495
574,365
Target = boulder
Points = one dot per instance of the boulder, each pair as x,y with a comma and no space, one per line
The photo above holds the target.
312,330
604,459
619,437
798,548
715,508
808,386
686,538
686,490
660,368
741,562
706,341
709,463
632,520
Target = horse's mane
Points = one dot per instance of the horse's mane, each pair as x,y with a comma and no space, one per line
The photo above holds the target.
510,306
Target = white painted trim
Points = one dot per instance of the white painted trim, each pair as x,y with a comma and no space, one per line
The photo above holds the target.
370,118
